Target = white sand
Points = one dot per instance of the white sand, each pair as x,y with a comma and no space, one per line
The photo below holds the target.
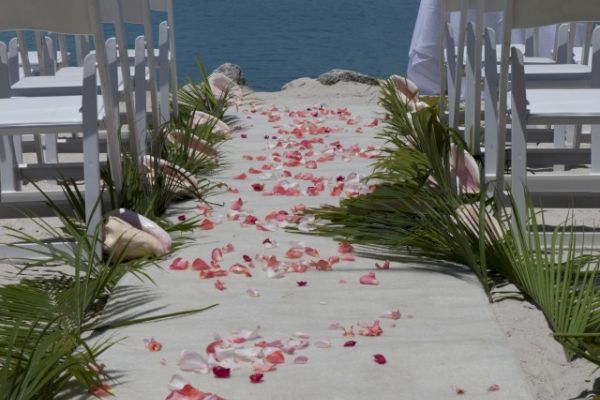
454,340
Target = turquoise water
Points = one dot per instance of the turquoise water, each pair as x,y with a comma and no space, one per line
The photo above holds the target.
276,41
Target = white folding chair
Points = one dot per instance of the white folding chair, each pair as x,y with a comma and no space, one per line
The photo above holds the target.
544,106
31,115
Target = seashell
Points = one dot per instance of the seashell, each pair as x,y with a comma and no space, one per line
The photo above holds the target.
195,145
202,118
130,236
222,85
182,181
465,170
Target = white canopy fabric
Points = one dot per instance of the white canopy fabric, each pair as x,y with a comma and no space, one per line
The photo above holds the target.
423,57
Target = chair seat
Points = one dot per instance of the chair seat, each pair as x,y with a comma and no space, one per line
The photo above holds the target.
557,72
66,82
34,61
48,114
581,106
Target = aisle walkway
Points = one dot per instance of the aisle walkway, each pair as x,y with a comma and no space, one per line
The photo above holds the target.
445,345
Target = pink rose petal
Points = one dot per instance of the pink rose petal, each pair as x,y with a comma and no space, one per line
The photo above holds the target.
369,279
179,264
301,360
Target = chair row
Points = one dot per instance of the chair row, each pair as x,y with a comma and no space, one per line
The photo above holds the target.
79,100
545,97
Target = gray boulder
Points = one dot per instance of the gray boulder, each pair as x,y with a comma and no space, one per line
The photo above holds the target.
344,75
233,72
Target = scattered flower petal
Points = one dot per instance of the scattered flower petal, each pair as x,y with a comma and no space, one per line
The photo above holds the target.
379,359
256,378
221,372
153,345
179,264
369,279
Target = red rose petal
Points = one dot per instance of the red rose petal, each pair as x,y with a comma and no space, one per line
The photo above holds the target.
221,372
301,283
379,359
350,343
256,378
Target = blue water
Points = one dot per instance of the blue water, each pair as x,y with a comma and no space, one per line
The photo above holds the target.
276,41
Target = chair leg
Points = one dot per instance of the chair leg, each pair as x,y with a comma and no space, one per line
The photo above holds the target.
519,170
39,148
51,145
560,135
18,146
9,178
595,149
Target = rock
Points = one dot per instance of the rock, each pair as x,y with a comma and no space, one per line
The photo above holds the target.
344,75
296,83
233,72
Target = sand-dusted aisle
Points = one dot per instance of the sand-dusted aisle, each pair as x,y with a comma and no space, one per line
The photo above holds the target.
303,147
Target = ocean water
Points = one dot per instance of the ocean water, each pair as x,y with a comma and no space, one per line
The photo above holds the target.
276,41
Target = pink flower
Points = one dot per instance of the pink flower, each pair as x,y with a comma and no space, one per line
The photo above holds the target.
179,264
369,279
379,359
219,285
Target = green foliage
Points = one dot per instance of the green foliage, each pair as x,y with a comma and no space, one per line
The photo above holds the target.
416,212
45,321
198,96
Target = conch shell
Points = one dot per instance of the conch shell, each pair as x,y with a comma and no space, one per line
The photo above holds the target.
195,145
182,181
202,118
222,85
129,235
409,93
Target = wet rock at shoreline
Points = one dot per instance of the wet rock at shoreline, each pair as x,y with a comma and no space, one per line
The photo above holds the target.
344,75
233,72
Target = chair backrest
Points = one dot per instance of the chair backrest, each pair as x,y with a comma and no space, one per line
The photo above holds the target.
72,17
